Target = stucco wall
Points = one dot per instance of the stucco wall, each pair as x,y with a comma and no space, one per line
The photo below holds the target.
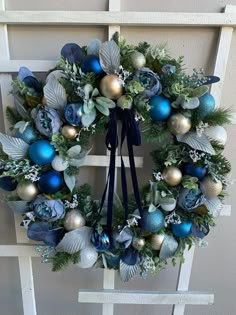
214,268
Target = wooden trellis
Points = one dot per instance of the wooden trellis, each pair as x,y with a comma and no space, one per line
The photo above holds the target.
113,18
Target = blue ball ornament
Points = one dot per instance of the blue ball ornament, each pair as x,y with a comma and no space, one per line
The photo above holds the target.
183,229
207,105
41,152
92,64
50,182
29,135
73,114
160,108
100,241
195,171
153,221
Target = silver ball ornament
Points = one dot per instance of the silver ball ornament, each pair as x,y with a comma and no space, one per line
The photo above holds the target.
217,133
138,243
59,164
179,124
210,188
125,102
69,132
73,220
88,257
27,190
138,60
157,240
172,175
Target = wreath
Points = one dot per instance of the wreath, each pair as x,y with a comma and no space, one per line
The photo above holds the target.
90,91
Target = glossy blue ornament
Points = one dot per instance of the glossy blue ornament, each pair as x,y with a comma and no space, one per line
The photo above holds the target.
29,135
8,183
207,105
183,229
73,114
160,108
100,241
41,152
153,221
195,171
51,182
92,64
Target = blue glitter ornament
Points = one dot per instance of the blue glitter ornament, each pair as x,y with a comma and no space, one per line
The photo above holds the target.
207,105
92,64
160,108
100,241
195,171
73,114
183,229
153,221
41,152
29,135
50,182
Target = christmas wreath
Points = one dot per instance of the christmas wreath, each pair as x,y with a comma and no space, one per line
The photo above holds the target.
90,91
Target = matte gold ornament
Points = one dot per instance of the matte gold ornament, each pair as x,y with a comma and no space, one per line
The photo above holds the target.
172,175
157,240
27,190
179,124
69,132
73,220
111,86
210,188
138,60
124,102
138,243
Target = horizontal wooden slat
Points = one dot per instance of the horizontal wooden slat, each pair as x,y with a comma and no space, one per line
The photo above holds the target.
118,18
9,66
18,251
145,297
103,161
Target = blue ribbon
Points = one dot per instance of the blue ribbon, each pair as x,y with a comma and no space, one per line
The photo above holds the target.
130,131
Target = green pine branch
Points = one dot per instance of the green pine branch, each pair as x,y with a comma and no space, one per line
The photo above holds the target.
62,259
12,115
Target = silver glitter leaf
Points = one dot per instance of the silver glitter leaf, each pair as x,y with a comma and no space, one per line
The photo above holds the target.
109,55
20,109
214,206
75,240
55,94
169,247
69,180
198,143
127,272
16,148
57,74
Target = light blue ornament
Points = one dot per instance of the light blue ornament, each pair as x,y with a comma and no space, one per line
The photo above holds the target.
92,64
183,229
29,135
51,182
160,108
207,105
73,114
153,221
41,152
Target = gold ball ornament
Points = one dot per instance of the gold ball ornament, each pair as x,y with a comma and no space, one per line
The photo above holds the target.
138,243
172,175
138,60
73,220
157,240
124,102
111,86
179,124
210,188
69,132
27,190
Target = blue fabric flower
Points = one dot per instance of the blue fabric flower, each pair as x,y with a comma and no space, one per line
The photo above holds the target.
190,199
72,52
47,120
149,80
26,76
48,210
39,231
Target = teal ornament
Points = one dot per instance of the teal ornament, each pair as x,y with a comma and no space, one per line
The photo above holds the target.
183,229
195,171
73,114
92,64
169,247
100,241
29,135
160,108
41,152
51,182
207,105
153,221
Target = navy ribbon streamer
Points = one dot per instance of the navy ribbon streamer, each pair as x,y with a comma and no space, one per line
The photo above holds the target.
130,131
